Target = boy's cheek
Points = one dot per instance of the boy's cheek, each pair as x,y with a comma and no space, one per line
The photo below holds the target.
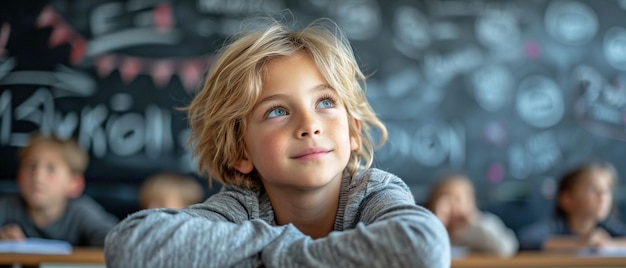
21,178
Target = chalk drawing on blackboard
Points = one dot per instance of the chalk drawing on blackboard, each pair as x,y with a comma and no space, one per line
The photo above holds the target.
237,7
64,81
439,69
492,86
539,101
495,133
537,154
97,37
129,68
411,31
397,145
360,19
161,72
599,105
548,187
159,139
532,50
105,64
38,110
457,138
495,172
187,162
544,150
498,30
7,116
445,31
404,95
427,143
614,47
432,144
6,66
125,134
571,22
121,102
91,135
519,164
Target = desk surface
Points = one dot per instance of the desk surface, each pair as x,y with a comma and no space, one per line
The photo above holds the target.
524,259
539,259
79,255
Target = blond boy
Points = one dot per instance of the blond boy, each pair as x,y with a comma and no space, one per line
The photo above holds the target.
282,122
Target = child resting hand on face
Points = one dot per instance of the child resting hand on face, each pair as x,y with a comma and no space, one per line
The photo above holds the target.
453,200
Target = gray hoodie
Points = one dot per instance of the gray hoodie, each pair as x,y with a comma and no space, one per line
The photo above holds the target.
378,224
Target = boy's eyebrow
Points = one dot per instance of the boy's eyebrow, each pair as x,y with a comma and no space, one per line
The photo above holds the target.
277,96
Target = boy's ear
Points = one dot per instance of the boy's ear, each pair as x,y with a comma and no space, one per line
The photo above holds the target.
77,186
355,140
244,166
565,202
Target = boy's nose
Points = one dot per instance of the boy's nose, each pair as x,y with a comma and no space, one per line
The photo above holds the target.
37,173
308,126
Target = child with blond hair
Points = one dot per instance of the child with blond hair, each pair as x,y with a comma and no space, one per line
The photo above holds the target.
583,213
453,200
51,182
282,122
170,190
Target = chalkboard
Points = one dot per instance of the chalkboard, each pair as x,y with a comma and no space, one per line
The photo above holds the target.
513,92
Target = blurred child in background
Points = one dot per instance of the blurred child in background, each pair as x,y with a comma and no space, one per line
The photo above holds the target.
453,200
584,202
170,190
50,206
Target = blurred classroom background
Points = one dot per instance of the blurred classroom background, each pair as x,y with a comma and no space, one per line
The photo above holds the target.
515,93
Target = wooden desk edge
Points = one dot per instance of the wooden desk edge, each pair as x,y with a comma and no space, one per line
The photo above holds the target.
78,255
540,260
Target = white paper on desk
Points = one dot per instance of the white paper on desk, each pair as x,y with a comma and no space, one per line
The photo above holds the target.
458,252
36,246
603,252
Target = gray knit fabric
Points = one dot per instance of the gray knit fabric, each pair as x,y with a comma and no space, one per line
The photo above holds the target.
378,224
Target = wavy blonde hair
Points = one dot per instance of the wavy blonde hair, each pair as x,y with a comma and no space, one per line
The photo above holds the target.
218,114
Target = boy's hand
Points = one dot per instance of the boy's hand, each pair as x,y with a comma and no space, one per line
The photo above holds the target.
598,238
463,215
443,209
11,232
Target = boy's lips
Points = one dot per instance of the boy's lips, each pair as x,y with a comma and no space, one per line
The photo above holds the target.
312,153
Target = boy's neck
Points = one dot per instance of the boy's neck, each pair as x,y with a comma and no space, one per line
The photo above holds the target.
313,212
581,225
44,216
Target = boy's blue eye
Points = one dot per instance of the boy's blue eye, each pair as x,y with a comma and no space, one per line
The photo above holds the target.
50,168
325,103
276,112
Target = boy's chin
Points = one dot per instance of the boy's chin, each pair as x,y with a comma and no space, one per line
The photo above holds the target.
38,203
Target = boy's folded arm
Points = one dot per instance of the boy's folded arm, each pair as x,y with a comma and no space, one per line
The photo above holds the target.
413,238
199,236
392,232
176,239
